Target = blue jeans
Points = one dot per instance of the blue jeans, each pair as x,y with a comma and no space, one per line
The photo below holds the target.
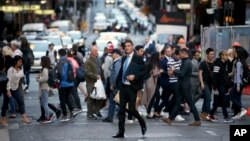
27,79
76,95
12,105
44,102
19,99
207,99
111,105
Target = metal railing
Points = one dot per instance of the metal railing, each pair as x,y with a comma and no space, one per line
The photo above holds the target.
221,38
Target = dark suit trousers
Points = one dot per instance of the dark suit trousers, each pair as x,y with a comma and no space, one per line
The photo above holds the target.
128,95
184,93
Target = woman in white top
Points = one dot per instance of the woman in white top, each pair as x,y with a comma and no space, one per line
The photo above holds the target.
14,74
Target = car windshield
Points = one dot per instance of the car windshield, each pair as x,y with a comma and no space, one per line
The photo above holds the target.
75,35
55,41
39,46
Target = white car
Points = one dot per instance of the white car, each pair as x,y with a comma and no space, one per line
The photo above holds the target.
110,1
67,42
116,35
39,48
75,35
56,40
100,22
33,30
63,25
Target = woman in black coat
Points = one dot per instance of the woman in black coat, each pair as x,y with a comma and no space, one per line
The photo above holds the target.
28,60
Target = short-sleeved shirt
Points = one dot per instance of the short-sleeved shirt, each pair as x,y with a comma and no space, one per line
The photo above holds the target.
207,73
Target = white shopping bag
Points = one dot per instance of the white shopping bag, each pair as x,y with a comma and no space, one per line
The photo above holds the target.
99,91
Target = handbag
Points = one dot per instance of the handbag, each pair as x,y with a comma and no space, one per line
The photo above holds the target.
3,76
117,97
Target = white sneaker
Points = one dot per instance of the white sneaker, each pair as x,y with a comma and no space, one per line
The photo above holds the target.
237,116
129,121
179,118
243,112
165,114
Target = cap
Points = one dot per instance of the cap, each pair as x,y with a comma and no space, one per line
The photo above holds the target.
236,44
117,51
110,47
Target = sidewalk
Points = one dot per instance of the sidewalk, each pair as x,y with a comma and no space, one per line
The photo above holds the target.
4,135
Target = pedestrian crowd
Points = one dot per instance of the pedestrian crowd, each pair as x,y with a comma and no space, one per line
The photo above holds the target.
169,82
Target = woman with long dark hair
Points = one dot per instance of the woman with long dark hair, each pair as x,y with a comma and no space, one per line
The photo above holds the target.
236,92
150,96
14,74
42,79
28,60
6,63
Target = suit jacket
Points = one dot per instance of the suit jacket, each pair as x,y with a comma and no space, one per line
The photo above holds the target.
135,67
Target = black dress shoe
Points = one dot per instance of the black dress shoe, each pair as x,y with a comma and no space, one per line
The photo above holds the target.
107,120
143,130
118,135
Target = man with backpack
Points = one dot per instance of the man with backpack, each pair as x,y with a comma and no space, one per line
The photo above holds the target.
66,78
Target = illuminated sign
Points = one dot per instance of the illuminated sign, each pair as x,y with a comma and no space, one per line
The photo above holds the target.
172,18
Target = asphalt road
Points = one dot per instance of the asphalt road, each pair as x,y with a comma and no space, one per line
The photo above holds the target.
82,129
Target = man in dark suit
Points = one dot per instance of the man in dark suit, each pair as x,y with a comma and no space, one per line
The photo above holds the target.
164,80
129,79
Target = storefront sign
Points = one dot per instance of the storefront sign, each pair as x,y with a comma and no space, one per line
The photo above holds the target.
172,18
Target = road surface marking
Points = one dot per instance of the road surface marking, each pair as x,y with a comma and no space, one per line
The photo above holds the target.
212,133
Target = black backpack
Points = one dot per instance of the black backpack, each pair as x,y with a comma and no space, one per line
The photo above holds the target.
80,74
53,81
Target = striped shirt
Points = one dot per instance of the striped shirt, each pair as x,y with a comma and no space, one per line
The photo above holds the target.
176,64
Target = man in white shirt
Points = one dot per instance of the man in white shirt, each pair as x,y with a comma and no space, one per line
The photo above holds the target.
52,54
14,48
